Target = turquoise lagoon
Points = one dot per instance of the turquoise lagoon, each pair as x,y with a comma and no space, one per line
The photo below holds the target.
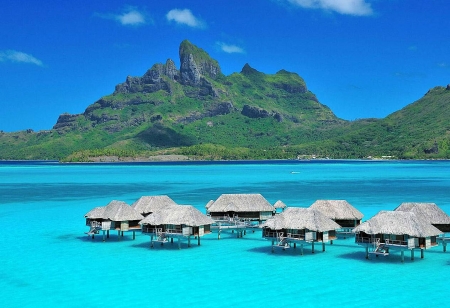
47,260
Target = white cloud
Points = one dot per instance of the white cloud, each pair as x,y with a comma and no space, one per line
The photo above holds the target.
18,57
229,48
184,17
346,7
130,16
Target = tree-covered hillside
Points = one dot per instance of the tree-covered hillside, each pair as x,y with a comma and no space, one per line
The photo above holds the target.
197,111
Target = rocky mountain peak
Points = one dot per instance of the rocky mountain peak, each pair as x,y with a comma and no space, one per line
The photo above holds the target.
195,63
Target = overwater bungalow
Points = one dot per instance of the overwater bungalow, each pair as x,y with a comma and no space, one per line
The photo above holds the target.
279,206
297,225
252,207
146,205
342,212
116,215
432,214
180,221
396,230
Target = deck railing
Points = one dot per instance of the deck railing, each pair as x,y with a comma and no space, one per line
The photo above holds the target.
279,234
376,240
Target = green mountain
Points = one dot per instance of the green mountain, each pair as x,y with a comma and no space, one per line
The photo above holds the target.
199,112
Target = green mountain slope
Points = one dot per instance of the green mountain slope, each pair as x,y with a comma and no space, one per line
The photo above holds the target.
195,110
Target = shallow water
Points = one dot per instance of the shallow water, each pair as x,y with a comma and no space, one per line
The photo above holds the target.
47,260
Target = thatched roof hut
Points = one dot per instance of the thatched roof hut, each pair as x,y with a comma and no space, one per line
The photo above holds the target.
279,205
120,211
301,218
396,230
116,215
299,225
249,206
179,221
178,215
428,212
149,204
337,209
397,223
341,212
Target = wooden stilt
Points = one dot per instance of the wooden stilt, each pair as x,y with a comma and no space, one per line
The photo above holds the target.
295,245
134,235
323,246
367,252
331,242
92,235
245,231
198,240
421,253
118,234
103,235
189,241
444,244
107,234
403,256
151,241
122,233
301,249
218,235
412,254
179,245
312,247
171,240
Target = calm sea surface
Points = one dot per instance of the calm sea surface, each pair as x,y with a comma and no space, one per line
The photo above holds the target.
46,260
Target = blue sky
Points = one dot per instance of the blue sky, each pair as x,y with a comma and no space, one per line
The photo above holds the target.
362,58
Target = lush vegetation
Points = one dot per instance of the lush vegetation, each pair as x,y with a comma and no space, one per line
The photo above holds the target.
283,121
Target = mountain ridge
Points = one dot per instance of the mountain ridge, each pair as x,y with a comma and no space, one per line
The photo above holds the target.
197,111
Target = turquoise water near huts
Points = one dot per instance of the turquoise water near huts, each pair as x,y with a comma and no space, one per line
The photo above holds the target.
47,260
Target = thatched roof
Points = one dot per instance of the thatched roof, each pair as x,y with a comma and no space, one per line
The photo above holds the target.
429,212
114,211
337,209
241,203
279,205
209,204
150,204
301,218
95,213
178,215
397,223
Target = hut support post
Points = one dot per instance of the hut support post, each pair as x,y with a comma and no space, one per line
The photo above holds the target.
301,249
179,245
107,234
367,252
421,253
171,240
218,234
118,234
412,254
295,245
444,245
198,240
323,246
403,256
92,235
312,248
103,235
331,242
134,235
189,241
